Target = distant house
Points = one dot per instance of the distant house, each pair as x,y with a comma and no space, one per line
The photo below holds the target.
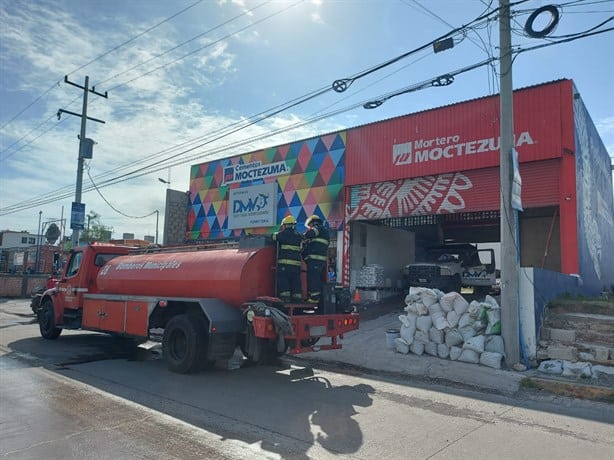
12,239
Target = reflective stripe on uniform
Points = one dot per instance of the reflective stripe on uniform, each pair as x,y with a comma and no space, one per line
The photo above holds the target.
289,262
316,257
290,247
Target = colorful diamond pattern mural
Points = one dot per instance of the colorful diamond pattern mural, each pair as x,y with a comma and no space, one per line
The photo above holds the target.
313,185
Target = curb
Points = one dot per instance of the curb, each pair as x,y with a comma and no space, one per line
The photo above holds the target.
572,389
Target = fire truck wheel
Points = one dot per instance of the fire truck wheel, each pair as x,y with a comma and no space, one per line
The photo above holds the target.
46,321
182,344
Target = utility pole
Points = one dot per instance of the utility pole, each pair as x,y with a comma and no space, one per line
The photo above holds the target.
510,329
85,146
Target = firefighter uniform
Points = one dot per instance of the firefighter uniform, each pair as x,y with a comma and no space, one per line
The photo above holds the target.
315,253
289,261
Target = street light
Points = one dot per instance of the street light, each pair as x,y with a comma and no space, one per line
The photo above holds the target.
164,181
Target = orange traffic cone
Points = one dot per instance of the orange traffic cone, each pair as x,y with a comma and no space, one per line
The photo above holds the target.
356,296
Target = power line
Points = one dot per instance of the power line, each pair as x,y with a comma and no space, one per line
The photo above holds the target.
159,166
168,63
208,45
130,40
98,58
157,56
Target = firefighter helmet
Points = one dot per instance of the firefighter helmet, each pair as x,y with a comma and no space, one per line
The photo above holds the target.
312,220
288,220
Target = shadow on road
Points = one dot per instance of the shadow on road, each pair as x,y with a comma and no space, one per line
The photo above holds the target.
249,403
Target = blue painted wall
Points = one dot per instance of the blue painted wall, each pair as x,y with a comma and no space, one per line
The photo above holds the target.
595,200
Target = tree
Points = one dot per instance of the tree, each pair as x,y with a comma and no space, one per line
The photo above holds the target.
96,230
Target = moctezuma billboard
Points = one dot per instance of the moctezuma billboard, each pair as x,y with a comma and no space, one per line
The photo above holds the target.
309,175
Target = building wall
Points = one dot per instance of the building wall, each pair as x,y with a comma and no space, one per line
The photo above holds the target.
309,175
595,204
20,285
540,242
9,239
461,137
175,217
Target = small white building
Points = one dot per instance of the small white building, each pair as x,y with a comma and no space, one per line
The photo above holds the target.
12,239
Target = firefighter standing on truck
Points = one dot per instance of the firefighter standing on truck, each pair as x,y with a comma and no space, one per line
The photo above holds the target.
315,253
289,243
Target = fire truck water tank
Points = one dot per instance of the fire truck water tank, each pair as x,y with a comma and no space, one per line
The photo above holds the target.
232,275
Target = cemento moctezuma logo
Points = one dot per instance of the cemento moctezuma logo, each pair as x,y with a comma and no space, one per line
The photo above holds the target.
423,150
252,171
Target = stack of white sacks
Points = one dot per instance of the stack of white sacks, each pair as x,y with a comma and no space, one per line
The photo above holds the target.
446,325
371,275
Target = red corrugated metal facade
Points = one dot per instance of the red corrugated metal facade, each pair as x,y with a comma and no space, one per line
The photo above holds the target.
467,191
461,137
446,160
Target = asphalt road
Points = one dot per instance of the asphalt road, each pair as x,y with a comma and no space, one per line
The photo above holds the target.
86,396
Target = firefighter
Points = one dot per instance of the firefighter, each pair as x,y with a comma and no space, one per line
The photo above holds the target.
315,253
289,243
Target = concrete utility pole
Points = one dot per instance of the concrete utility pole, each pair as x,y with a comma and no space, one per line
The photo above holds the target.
82,144
510,249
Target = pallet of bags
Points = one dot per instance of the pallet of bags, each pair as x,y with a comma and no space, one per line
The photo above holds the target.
446,325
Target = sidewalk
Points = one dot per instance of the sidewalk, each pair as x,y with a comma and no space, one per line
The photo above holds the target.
366,349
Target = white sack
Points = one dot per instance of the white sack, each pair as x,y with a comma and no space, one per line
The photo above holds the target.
401,345
491,359
421,336
447,302
455,353
475,309
551,366
460,305
430,348
435,308
475,343
411,298
465,320
408,327
429,297
439,320
469,356
452,318
424,323
417,348
453,337
577,370
467,332
495,344
479,326
491,302
494,321
407,333
435,335
443,351
416,308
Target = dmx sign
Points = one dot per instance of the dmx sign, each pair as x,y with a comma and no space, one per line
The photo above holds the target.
254,206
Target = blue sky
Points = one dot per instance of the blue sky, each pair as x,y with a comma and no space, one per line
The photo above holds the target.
176,81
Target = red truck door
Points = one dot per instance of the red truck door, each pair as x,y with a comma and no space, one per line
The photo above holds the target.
72,285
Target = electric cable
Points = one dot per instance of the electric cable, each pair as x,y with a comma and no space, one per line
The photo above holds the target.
208,31
98,58
110,205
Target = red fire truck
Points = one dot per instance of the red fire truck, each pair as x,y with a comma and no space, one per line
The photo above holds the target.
207,300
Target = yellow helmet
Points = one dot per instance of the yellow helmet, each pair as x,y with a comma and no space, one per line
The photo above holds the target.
288,220
312,220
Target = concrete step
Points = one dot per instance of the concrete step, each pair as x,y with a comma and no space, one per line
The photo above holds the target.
586,327
593,306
